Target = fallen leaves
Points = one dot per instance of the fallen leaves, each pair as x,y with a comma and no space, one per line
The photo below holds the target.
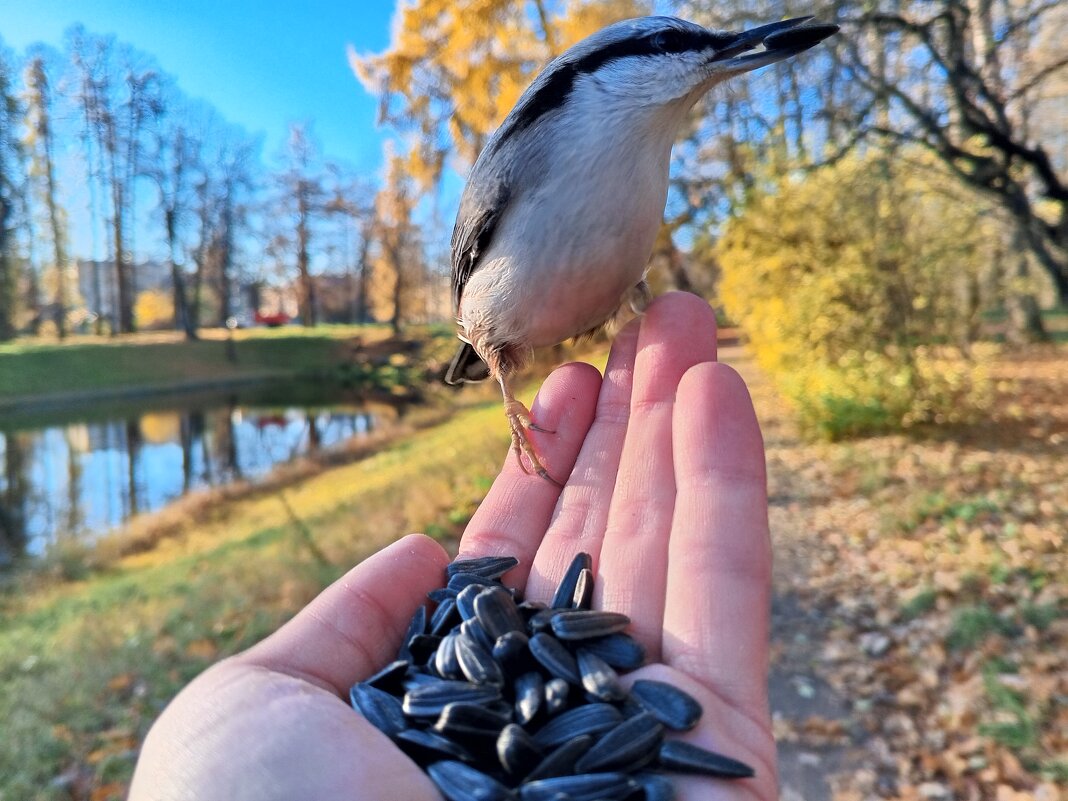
936,565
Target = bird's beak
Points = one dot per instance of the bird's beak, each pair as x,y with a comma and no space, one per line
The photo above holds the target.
780,39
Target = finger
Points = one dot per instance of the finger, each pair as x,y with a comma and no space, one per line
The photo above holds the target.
716,620
579,520
355,625
678,331
512,519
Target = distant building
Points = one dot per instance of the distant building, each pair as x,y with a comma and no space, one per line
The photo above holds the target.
99,290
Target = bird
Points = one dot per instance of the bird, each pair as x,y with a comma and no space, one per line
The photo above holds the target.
560,211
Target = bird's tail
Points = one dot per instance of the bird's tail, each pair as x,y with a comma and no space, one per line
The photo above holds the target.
466,366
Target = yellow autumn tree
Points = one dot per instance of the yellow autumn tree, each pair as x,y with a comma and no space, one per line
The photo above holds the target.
857,288
454,68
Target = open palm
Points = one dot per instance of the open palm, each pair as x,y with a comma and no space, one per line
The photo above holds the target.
666,491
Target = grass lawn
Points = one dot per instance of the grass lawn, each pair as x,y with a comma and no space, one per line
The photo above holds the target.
157,359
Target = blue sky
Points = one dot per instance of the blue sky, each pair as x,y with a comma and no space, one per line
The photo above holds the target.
262,64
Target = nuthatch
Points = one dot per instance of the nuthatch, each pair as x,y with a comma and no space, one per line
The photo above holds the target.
561,210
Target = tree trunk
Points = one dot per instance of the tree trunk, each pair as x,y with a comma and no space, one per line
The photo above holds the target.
1025,317
307,286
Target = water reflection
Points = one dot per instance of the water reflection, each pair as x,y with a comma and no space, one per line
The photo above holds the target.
80,479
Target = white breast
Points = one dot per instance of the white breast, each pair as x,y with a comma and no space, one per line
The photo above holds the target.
568,249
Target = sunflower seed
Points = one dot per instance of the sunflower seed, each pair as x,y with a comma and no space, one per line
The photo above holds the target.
470,720
512,653
583,624
473,629
555,658
459,782
584,787
461,580
390,678
529,692
565,592
381,709
490,567
415,627
421,648
583,597
556,692
465,601
541,621
441,594
676,709
446,660
655,787
496,612
587,719
476,662
516,751
428,700
631,745
529,608
561,761
426,746
445,617
598,677
687,758
619,650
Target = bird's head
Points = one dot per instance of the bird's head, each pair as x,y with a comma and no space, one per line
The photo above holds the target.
662,60
656,62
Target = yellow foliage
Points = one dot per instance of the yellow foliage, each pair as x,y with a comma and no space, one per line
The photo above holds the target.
154,308
454,68
846,280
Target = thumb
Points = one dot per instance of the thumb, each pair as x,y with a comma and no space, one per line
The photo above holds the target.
356,624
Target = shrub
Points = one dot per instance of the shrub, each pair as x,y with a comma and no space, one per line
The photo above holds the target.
856,287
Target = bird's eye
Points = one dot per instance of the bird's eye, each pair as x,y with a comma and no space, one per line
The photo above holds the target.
670,41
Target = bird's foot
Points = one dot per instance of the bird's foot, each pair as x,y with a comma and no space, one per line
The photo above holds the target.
520,422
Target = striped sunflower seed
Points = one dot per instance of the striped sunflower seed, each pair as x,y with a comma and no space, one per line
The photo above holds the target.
477,664
584,624
582,787
556,692
586,719
565,591
688,758
426,746
630,745
512,652
517,751
415,627
465,601
460,782
598,677
621,651
446,660
490,567
381,709
458,721
561,761
497,612
583,597
555,658
428,700
529,694
671,706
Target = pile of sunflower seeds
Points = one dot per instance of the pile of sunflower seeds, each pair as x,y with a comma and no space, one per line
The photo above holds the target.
500,700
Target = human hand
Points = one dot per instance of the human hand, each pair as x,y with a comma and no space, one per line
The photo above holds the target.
666,492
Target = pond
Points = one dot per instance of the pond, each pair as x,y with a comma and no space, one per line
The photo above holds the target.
79,474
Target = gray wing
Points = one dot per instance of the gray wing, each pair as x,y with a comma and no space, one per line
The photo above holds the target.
481,208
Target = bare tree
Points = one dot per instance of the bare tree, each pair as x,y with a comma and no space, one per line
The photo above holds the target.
170,168
39,120
118,93
964,76
303,199
10,190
